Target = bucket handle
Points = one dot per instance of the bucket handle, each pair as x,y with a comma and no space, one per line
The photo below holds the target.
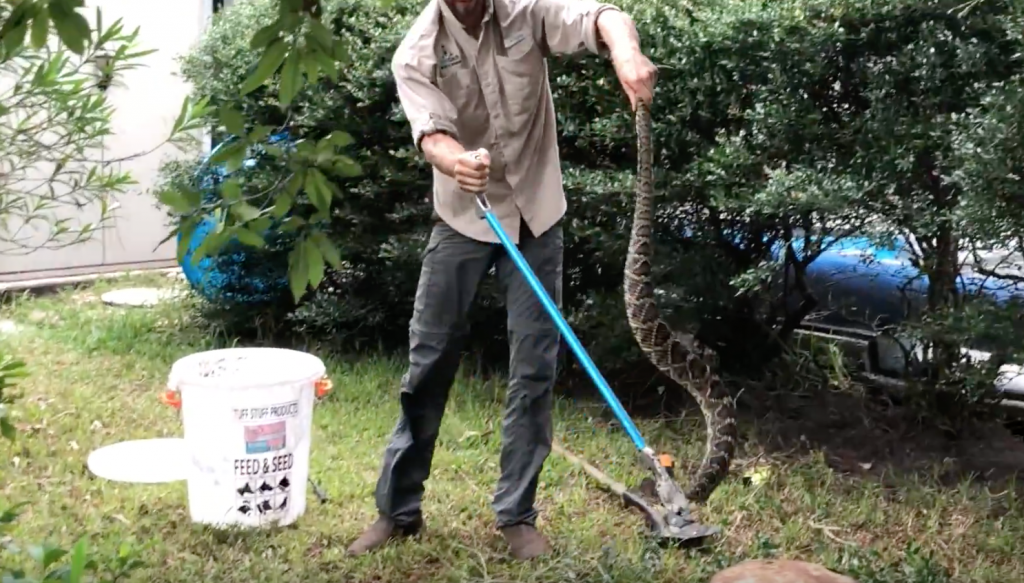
323,386
172,397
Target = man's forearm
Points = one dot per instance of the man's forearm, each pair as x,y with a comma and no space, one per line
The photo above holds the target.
618,32
442,151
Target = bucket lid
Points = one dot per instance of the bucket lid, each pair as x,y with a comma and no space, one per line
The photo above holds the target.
245,368
143,461
138,297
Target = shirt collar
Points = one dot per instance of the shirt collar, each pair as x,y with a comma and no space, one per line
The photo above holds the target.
450,19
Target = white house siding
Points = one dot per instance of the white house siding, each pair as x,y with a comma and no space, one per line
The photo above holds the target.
146,102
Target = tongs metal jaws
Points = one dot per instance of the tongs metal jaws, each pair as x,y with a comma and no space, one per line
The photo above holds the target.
670,516
660,500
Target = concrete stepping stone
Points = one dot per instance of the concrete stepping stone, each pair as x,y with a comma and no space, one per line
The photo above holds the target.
767,571
143,297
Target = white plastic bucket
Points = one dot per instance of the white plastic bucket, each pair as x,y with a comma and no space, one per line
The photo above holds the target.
247,416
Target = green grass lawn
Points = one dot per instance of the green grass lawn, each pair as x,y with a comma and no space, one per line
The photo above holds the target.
877,511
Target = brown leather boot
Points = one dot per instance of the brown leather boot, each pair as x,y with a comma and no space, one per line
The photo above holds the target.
380,532
525,542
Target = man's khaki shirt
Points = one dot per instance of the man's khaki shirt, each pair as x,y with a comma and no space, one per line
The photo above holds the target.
493,93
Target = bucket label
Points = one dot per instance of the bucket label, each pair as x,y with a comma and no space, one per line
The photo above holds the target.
263,482
266,495
264,438
280,411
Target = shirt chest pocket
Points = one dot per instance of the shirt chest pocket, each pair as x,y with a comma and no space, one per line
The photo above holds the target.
460,85
522,72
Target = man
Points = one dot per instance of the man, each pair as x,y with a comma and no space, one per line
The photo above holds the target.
472,79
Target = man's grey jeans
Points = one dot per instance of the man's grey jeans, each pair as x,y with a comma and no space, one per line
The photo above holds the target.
453,267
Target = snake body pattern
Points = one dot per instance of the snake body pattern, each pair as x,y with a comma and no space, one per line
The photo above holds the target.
677,355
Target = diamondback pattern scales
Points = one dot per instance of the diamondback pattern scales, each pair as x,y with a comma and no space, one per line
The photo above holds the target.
677,355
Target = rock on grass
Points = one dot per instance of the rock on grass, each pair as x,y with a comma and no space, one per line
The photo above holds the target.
778,572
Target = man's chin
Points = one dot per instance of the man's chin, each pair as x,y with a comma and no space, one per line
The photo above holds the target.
463,7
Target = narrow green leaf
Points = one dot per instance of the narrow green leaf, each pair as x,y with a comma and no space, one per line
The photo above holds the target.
226,151
183,115
321,33
212,244
79,560
294,184
291,77
17,19
292,224
15,38
284,201
260,225
52,555
250,238
231,190
235,161
298,272
346,167
19,13
316,262
245,211
328,250
232,120
7,429
311,67
266,35
46,554
41,28
231,155
289,7
340,139
282,205
193,197
268,64
175,200
139,54
340,50
259,133
305,148
317,190
186,228
11,513
184,240
328,65
72,27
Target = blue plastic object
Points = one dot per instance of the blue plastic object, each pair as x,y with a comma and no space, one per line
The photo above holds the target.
862,282
563,326
226,277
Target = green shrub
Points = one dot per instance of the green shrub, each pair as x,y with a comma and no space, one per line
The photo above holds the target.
777,126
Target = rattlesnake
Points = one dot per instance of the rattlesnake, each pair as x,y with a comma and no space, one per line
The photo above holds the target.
677,355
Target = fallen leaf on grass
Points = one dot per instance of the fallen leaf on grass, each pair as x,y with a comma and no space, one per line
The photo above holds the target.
757,475
474,434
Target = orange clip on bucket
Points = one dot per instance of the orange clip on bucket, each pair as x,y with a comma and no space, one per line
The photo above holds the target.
172,398
323,386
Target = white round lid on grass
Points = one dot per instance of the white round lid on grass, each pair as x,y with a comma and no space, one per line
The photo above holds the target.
138,297
143,461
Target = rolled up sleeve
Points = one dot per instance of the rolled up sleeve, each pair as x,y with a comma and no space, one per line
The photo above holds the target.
569,26
426,107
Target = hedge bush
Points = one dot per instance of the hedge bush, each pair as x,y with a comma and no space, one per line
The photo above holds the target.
777,126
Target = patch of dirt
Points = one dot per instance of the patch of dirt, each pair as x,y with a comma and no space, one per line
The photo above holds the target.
859,434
